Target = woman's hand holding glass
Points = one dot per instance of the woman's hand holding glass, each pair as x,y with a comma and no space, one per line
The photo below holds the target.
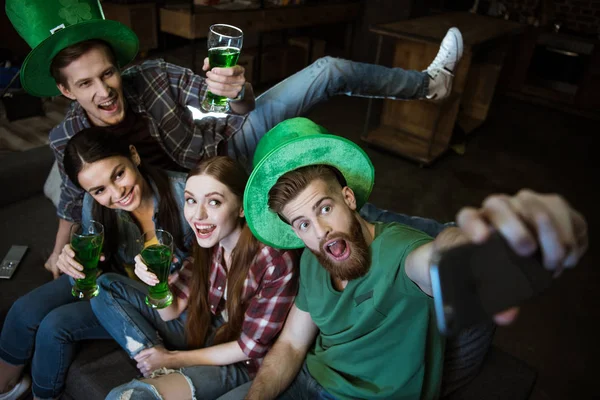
67,264
142,272
147,276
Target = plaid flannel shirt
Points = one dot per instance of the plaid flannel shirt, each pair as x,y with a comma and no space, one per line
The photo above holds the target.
269,292
160,92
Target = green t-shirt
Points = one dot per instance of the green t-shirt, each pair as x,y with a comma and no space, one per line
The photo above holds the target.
378,337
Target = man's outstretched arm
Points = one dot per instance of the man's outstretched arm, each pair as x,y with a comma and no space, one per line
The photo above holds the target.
284,360
528,221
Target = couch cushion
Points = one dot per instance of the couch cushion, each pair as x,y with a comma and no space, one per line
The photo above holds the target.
23,173
31,222
99,366
502,377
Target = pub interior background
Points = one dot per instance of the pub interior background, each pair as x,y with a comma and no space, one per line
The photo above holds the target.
532,113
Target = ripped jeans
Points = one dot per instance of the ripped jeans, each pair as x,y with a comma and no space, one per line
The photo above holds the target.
121,309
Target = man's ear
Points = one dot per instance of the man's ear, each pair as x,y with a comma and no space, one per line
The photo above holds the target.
135,157
242,215
65,92
349,197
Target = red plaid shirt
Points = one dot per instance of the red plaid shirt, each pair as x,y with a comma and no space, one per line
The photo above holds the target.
269,292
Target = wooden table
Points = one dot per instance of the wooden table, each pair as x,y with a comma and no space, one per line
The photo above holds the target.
421,129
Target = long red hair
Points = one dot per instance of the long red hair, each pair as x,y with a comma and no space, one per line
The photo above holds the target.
232,175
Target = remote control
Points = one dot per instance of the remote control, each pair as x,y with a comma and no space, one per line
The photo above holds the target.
11,261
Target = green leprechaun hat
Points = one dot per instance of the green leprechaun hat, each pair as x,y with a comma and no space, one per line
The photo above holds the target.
292,144
49,26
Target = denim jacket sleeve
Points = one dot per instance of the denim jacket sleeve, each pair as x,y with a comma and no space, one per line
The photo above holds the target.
177,180
86,211
429,226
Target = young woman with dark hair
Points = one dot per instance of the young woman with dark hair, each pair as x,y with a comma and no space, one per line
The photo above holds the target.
128,198
231,299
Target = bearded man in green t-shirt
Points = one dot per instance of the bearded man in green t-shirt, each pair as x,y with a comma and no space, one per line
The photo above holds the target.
363,324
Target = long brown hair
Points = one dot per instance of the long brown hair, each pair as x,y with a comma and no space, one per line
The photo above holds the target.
232,175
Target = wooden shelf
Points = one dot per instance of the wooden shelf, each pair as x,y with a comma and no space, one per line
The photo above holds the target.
181,21
409,146
139,17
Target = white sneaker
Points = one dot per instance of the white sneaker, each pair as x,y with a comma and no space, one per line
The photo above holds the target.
18,390
441,70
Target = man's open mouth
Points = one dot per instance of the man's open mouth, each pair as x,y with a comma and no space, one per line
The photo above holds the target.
338,249
110,105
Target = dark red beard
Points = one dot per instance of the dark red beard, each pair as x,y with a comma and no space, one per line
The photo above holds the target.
359,261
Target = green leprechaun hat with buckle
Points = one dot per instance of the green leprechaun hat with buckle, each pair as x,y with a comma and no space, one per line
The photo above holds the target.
49,26
292,144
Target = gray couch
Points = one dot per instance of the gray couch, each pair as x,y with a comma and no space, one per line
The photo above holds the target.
28,217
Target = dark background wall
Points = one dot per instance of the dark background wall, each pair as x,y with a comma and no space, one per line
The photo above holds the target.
9,38
577,15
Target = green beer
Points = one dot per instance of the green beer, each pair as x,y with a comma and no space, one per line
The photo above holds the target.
157,258
221,57
87,250
224,43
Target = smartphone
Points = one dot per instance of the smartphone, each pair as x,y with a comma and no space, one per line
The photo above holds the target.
473,282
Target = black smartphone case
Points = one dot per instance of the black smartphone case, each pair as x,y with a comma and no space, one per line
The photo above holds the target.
473,282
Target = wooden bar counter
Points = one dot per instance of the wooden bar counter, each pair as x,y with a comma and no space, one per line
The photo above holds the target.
421,130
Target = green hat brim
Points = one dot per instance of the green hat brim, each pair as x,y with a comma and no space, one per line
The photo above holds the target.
35,71
327,149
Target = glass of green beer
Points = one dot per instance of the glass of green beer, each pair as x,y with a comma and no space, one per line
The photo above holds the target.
224,46
157,253
86,242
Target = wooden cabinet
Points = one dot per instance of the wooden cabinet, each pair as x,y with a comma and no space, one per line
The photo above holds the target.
140,17
421,129
573,90
181,21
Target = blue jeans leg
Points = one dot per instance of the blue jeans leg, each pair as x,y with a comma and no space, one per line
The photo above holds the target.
52,321
121,309
326,77
305,387
207,382
17,339
431,227
57,342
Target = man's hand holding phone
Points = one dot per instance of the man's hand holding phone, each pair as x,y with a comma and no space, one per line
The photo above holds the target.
513,243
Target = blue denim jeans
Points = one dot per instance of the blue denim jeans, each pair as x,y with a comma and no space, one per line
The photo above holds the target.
206,382
44,327
328,76
431,227
303,387
121,309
